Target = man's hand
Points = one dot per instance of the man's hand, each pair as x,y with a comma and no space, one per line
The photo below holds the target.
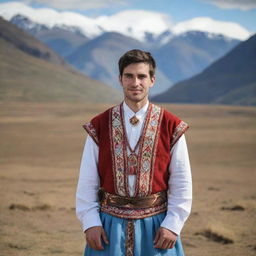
93,237
165,239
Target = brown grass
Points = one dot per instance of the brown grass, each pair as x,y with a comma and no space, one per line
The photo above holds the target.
40,151
218,233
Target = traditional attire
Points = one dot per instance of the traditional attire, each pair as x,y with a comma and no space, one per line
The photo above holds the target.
143,173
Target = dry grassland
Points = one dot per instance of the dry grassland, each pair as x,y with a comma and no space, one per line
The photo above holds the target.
40,150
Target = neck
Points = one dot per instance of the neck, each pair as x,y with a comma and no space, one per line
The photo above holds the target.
136,106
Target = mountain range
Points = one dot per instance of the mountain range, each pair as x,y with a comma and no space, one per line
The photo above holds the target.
230,80
178,56
30,71
62,40
137,24
94,45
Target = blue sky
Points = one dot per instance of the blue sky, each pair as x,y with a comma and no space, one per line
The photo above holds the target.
242,12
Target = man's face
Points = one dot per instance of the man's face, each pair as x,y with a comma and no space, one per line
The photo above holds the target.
136,82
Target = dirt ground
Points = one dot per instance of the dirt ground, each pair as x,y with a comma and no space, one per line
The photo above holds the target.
40,152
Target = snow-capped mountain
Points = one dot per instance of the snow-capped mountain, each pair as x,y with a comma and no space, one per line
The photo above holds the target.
138,24
26,24
63,40
229,80
94,45
131,23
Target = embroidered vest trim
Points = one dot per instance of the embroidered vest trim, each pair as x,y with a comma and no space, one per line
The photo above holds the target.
179,130
152,172
146,152
91,131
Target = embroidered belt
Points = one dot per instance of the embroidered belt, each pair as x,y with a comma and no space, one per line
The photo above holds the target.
133,207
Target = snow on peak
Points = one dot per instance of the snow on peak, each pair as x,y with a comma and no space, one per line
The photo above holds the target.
208,25
134,23
50,17
131,23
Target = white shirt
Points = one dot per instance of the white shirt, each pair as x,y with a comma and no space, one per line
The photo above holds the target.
180,182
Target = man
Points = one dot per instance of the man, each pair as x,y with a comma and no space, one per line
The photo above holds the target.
134,191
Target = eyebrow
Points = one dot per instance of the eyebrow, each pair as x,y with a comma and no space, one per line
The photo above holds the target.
131,74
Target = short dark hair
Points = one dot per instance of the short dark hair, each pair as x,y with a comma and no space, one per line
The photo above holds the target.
137,56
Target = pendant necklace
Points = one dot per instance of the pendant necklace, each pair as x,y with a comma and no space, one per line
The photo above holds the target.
133,157
134,120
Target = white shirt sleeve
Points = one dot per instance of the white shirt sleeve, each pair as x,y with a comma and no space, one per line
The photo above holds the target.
87,206
179,194
180,188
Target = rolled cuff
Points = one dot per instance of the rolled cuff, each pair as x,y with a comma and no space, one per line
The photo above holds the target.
175,220
173,224
91,220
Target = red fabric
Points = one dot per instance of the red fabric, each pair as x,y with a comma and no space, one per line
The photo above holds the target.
101,124
160,175
163,158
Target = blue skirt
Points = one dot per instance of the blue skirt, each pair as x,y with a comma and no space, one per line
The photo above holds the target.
145,231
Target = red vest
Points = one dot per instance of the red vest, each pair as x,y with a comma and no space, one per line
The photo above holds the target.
161,131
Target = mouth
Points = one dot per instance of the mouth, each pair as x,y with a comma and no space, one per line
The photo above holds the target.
135,90
135,93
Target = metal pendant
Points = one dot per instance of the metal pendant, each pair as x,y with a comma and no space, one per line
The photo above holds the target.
134,120
132,164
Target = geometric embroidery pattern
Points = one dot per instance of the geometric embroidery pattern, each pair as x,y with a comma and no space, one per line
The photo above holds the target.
117,138
179,130
91,131
146,152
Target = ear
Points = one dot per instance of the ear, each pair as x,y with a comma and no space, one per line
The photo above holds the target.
153,79
120,80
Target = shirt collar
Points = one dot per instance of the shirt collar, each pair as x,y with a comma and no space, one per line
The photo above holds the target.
130,113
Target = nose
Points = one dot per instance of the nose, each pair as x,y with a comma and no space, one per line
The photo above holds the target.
135,81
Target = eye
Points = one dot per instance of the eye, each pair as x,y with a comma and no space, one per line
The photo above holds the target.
142,76
127,75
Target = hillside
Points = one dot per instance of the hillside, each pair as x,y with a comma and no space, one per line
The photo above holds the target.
178,56
98,58
30,71
27,43
62,40
190,53
230,80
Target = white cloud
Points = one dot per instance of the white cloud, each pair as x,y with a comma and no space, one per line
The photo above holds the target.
206,24
75,4
244,5
132,23
50,17
135,22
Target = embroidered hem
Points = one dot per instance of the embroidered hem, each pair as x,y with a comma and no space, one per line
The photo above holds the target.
133,214
179,130
130,237
91,131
